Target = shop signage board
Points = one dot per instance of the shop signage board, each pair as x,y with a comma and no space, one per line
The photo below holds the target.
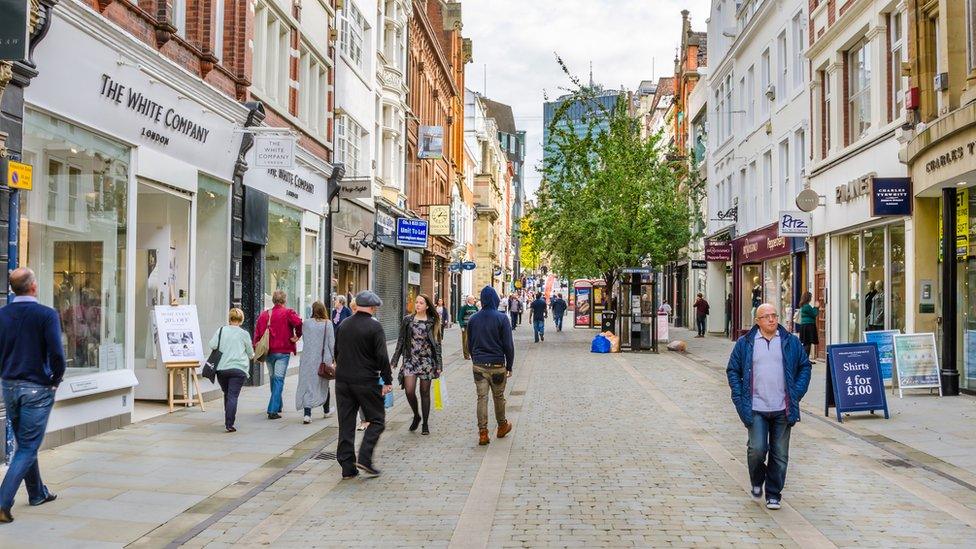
637,270
469,265
886,350
807,200
662,328
20,175
853,380
431,143
793,223
385,224
891,196
274,151
413,278
178,333
302,187
761,244
440,220
582,311
718,250
411,233
699,264
14,32
969,351
357,188
916,362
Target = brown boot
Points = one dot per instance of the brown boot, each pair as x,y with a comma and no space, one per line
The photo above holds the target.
504,429
483,437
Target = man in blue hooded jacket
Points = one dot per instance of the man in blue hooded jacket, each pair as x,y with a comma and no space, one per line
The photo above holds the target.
492,354
768,374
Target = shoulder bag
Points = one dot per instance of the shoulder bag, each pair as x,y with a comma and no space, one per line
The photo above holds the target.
264,342
210,367
326,370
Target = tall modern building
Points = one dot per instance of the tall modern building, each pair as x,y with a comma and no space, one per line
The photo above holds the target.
603,102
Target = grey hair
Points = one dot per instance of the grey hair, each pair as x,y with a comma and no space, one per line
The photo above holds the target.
279,297
341,299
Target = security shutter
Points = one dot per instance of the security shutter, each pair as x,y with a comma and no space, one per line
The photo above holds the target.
389,286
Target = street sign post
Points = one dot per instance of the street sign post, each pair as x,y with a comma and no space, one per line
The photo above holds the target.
853,379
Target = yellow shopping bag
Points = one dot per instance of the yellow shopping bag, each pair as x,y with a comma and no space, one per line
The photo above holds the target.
439,388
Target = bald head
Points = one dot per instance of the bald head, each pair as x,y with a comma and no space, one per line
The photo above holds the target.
765,309
23,282
767,319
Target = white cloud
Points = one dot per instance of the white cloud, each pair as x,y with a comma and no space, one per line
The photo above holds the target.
518,40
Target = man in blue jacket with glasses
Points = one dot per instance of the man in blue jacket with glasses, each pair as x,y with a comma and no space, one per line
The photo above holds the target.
768,374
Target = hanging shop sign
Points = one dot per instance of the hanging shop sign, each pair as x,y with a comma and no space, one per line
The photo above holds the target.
385,224
302,186
699,264
14,30
20,175
178,333
916,362
454,267
807,200
431,143
411,233
886,350
716,250
853,380
356,188
440,220
793,223
891,196
469,265
274,151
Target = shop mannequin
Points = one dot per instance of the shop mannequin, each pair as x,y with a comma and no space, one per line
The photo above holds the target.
876,318
869,301
756,294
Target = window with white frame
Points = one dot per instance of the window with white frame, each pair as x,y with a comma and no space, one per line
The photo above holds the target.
896,37
313,91
799,159
859,90
826,94
744,191
767,189
751,94
719,132
179,17
271,55
971,33
784,174
742,104
764,83
218,30
783,68
796,26
350,143
352,35
728,105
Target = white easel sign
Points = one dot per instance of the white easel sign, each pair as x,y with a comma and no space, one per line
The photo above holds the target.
178,334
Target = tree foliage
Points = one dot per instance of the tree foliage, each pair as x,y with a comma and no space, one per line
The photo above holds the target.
609,199
529,245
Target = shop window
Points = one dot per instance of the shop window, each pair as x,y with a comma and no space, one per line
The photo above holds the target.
873,285
778,286
896,239
73,235
859,90
851,320
752,294
211,289
283,253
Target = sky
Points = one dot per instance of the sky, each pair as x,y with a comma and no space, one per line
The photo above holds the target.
515,43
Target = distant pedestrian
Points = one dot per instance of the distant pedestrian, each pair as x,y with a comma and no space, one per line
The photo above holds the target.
419,344
467,310
728,315
32,365
701,314
286,329
318,343
519,308
768,375
361,362
808,322
340,311
492,357
559,307
234,367
539,313
443,313
514,308
666,309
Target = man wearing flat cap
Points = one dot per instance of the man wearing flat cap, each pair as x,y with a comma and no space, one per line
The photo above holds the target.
361,361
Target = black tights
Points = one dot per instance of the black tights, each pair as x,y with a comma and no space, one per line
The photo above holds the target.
410,387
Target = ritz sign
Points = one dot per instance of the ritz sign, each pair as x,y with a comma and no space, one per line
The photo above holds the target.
794,224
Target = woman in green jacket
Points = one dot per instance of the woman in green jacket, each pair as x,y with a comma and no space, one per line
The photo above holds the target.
235,363
808,322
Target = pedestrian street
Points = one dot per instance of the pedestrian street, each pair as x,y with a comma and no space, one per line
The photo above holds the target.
608,450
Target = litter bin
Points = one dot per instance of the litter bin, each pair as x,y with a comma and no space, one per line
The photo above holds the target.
608,321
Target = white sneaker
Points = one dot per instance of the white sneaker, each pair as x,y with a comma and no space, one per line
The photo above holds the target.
307,419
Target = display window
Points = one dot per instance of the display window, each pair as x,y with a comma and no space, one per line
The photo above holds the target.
777,283
751,294
872,292
211,291
73,235
283,254
311,292
352,277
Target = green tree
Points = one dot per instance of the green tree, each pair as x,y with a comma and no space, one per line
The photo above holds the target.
529,246
609,199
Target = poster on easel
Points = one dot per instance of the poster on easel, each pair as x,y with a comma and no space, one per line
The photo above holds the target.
916,362
178,334
886,351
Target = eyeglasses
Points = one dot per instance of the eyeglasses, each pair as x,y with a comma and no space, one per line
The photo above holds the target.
771,316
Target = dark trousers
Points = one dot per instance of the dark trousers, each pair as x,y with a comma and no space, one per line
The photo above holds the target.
28,407
769,435
231,381
558,320
514,319
350,399
700,324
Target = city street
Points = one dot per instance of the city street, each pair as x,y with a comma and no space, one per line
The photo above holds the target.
608,450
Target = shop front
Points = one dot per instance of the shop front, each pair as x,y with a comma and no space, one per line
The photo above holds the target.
129,210
763,272
718,282
389,270
350,259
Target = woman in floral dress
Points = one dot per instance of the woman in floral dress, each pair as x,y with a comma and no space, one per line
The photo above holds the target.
420,346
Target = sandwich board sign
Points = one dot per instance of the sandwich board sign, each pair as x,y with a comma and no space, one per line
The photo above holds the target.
854,380
916,362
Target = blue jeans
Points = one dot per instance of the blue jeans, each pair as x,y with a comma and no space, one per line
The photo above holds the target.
277,367
539,327
28,407
769,434
558,320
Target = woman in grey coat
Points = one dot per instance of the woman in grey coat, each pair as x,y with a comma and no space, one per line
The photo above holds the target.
318,345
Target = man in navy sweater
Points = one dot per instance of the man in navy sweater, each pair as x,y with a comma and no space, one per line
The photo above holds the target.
492,355
31,367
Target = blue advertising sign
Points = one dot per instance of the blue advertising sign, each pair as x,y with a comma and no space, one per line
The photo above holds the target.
454,267
891,196
411,233
886,350
469,265
854,381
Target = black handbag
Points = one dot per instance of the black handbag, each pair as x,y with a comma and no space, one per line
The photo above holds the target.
326,370
210,367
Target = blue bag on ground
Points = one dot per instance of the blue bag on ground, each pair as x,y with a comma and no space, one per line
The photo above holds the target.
600,345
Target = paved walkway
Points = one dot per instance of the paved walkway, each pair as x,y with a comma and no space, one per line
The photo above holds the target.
608,450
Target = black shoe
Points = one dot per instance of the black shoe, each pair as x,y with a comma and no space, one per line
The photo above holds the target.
274,416
5,516
368,470
231,429
348,477
50,497
425,430
414,423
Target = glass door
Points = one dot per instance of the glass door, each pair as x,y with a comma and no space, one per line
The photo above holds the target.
311,286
